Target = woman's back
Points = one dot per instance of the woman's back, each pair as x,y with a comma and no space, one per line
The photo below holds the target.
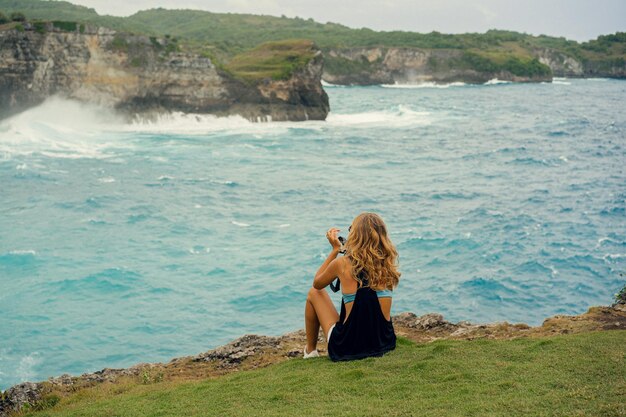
365,330
349,287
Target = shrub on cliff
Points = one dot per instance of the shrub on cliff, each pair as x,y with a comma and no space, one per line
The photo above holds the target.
18,17
620,297
3,19
65,26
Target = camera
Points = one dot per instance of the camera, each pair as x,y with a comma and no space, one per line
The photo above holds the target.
342,250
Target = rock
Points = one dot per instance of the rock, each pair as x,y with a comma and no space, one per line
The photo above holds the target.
238,350
425,322
560,64
19,395
294,353
409,66
143,77
389,65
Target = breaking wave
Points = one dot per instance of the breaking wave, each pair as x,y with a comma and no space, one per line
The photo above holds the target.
424,85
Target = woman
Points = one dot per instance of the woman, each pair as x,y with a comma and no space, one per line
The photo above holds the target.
367,273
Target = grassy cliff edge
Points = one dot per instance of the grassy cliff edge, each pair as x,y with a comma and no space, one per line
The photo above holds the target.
570,365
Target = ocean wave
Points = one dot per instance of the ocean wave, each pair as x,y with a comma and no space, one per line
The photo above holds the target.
327,84
59,128
240,224
451,195
495,81
401,116
26,368
112,280
18,258
23,252
428,84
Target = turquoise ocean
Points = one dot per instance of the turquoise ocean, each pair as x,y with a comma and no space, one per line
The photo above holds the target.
127,243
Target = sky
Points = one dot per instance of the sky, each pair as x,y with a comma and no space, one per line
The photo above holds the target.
579,20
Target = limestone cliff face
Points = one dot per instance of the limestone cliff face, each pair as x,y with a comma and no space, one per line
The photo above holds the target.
561,64
142,76
410,66
369,66
565,66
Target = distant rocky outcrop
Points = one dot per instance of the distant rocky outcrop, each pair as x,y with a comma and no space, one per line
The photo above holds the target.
369,66
255,351
386,65
143,76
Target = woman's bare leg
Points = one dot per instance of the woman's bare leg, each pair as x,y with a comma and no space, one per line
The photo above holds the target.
319,311
311,326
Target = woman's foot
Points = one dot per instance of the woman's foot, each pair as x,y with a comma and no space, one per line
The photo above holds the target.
313,354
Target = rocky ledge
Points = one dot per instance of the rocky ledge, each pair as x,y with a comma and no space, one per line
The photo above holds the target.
254,351
144,76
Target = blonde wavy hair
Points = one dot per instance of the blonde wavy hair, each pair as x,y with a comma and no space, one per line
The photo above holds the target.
370,250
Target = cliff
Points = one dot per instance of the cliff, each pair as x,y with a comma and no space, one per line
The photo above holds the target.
253,351
563,65
367,66
144,76
370,66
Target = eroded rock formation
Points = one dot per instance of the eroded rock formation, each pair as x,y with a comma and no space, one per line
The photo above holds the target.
143,76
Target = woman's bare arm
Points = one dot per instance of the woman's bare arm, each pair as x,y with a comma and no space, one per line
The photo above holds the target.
328,271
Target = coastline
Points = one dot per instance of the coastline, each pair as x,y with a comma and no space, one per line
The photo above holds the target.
257,351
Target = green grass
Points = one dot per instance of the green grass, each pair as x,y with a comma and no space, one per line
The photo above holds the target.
275,60
567,375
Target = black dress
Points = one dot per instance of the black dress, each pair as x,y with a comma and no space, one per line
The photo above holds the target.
366,332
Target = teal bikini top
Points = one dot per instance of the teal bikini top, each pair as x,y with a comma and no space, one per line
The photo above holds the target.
348,298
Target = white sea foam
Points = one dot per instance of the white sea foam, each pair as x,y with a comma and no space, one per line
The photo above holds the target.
178,122
608,240
23,252
563,158
62,128
495,81
403,116
561,81
26,369
58,128
283,225
428,84
106,180
223,182
326,84
613,256
240,224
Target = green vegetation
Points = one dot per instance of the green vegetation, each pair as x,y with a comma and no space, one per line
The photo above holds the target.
119,43
18,17
65,26
3,19
566,375
40,27
225,35
340,65
275,60
620,297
